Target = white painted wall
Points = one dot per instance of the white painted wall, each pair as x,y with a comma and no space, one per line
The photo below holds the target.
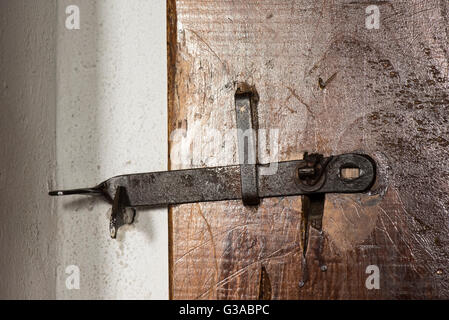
94,101
111,120
27,153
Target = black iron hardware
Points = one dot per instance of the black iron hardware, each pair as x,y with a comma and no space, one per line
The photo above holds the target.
312,175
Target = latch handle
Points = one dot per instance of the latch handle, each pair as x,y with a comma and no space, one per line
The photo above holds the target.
313,175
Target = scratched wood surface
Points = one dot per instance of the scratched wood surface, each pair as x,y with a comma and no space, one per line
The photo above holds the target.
387,97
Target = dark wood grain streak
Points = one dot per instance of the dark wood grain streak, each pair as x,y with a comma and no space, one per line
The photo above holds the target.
388,97
171,83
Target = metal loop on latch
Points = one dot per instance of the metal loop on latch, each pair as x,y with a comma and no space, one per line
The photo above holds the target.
246,99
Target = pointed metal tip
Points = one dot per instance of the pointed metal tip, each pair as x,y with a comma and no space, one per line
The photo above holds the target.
56,193
86,191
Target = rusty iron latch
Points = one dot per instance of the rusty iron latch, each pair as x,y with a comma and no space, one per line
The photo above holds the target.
313,175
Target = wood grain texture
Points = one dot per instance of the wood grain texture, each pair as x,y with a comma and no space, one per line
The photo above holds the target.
387,97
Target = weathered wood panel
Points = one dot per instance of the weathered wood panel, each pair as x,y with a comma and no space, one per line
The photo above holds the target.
388,97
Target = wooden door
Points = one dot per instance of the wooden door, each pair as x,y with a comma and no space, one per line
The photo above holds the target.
330,85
